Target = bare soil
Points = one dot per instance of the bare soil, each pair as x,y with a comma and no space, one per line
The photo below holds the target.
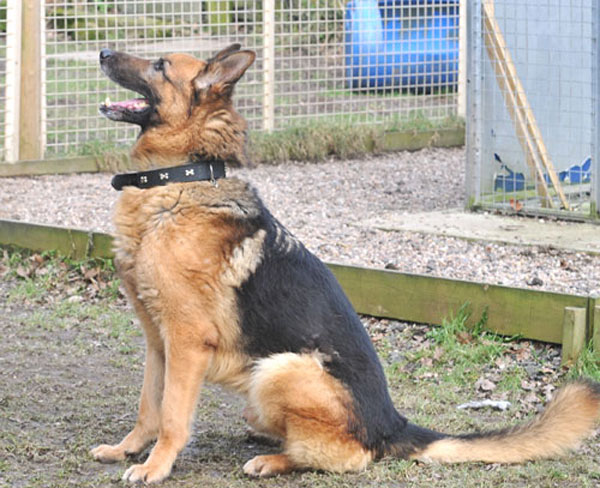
71,361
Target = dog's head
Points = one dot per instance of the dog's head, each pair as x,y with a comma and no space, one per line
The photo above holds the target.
177,91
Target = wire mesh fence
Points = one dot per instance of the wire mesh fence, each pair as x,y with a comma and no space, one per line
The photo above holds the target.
387,62
533,143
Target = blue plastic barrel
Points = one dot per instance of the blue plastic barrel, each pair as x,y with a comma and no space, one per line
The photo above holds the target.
401,43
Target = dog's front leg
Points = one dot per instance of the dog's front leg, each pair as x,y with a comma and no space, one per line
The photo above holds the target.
148,421
186,365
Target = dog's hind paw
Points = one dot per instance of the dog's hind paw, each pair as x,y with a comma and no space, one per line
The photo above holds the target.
108,454
266,466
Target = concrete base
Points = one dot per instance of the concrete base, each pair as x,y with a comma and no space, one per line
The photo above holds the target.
523,231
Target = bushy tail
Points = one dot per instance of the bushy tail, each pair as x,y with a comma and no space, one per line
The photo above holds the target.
568,418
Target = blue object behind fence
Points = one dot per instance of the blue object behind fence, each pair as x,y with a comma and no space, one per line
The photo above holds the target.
401,43
512,181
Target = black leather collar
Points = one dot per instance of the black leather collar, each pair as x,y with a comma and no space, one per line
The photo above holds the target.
210,170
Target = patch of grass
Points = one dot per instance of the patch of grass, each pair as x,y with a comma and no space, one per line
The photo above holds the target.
39,276
587,365
315,142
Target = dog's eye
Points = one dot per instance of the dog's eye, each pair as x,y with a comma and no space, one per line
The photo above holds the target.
159,65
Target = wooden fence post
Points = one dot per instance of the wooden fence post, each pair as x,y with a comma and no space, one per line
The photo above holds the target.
573,342
462,59
268,65
596,329
30,108
13,83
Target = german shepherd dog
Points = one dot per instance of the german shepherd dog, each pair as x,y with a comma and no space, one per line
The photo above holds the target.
227,295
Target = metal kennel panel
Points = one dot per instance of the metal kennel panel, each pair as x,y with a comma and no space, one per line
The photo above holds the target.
533,106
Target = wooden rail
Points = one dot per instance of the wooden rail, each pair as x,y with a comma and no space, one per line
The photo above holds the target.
392,141
531,314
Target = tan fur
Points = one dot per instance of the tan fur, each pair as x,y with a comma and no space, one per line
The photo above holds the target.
291,396
212,127
568,418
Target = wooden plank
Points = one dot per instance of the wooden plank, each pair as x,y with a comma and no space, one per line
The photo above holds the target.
74,243
416,298
30,116
501,56
84,164
413,141
381,293
392,141
573,341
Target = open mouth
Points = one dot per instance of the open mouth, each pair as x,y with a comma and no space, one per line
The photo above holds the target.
134,110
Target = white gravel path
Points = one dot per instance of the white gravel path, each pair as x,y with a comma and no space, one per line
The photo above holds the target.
326,205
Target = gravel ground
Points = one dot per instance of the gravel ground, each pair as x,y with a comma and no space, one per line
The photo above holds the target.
325,206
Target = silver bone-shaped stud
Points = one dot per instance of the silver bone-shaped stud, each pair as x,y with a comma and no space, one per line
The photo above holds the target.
189,172
212,177
164,176
143,179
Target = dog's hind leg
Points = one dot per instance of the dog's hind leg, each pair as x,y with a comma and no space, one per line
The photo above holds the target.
147,425
293,397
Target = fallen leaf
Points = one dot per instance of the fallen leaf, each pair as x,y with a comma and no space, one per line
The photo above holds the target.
485,385
464,337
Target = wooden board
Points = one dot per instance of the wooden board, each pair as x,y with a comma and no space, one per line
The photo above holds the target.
417,298
84,164
77,244
381,293
392,141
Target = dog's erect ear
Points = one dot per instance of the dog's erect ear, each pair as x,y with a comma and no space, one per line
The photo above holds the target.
224,70
225,52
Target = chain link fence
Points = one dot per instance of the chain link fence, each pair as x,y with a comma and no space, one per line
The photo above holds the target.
533,138
388,62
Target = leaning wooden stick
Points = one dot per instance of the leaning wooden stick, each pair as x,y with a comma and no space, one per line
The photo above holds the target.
518,106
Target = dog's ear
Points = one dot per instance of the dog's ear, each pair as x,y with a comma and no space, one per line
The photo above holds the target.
223,71
225,52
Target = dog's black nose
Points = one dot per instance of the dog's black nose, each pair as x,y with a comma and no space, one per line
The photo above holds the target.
105,53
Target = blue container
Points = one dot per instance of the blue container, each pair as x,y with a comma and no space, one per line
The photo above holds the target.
401,44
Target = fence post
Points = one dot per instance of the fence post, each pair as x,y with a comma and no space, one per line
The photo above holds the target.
268,65
13,83
573,342
462,59
595,190
596,328
30,108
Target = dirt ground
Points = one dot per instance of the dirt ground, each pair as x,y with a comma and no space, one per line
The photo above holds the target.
71,361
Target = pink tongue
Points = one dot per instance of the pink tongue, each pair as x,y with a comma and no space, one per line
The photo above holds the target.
133,104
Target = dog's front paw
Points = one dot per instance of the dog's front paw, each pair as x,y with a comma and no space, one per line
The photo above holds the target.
147,473
267,466
108,454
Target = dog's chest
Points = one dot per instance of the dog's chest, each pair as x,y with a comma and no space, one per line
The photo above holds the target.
171,237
